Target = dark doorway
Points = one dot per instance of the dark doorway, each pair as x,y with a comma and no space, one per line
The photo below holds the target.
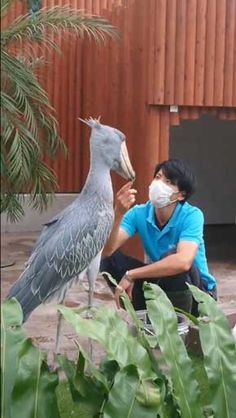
209,145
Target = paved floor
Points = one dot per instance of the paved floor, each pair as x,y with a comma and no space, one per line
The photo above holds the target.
41,326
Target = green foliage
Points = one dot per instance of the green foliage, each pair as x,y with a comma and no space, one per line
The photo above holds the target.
133,380
219,351
164,322
27,385
29,129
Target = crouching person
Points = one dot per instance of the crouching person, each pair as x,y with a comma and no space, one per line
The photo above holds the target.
171,231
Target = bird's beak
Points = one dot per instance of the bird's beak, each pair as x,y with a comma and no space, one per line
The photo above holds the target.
125,169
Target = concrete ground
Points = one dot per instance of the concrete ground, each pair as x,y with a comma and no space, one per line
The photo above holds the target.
41,326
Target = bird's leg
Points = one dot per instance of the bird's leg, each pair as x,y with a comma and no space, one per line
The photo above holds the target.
59,324
92,273
90,298
58,332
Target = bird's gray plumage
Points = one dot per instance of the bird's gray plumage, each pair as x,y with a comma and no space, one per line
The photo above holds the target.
71,241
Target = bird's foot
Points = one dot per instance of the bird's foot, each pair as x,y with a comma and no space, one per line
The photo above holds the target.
89,313
54,365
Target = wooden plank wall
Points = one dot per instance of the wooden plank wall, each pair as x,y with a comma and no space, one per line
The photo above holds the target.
170,52
192,53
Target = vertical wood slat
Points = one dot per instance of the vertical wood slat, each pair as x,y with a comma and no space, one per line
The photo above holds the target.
160,37
151,50
229,51
191,23
200,52
210,52
170,52
63,109
180,51
140,141
78,110
220,53
234,81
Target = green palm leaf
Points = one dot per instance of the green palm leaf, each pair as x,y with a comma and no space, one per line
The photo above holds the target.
29,127
54,20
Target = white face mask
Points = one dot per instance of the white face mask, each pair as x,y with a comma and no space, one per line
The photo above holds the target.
160,194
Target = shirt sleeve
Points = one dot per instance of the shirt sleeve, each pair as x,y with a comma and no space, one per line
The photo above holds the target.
192,228
128,222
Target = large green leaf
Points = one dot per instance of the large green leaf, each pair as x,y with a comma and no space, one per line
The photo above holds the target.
219,351
110,330
164,322
109,368
12,339
93,371
122,401
28,387
86,390
34,391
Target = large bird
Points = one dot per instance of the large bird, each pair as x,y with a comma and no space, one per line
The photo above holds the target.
70,245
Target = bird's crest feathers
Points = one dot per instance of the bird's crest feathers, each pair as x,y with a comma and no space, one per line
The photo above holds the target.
92,123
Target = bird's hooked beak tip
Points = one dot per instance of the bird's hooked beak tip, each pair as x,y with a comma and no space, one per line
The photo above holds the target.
126,170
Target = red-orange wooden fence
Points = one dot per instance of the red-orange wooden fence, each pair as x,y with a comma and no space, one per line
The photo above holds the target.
171,52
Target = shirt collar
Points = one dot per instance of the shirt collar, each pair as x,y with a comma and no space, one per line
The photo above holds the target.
170,224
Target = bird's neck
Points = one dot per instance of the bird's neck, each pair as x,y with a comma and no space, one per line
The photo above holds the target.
99,182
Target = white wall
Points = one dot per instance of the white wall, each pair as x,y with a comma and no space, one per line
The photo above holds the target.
209,145
33,220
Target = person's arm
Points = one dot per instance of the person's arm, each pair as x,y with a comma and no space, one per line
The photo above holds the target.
171,265
125,198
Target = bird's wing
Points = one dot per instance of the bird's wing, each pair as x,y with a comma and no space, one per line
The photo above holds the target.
50,228
68,252
66,249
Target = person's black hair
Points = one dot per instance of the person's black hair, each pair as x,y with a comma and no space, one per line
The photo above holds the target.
180,174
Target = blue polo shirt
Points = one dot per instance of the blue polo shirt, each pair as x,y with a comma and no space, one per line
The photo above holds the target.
185,224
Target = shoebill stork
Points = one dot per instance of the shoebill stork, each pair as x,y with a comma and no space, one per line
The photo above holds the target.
71,243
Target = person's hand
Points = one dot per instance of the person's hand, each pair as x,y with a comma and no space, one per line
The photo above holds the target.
125,198
124,285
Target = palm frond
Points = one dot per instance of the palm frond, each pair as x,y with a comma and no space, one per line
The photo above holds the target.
4,7
45,22
12,204
31,103
29,128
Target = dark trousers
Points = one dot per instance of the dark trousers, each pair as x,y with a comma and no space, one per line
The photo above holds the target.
175,286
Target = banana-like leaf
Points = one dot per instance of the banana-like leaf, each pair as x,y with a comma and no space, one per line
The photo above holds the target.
34,391
145,340
109,368
113,333
122,401
30,384
12,339
69,368
164,322
219,351
93,371
86,390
